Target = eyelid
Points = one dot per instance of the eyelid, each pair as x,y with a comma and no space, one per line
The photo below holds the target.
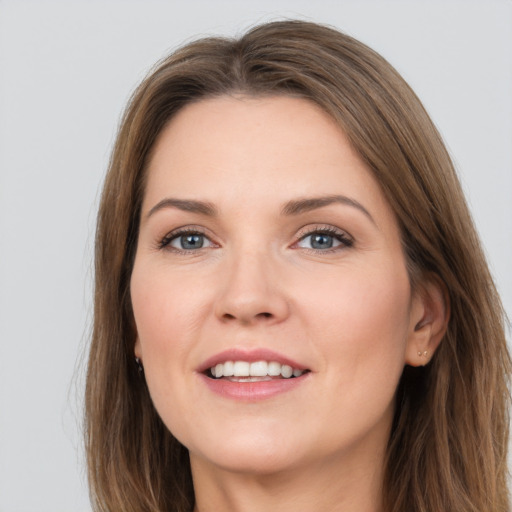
322,228
165,241
341,235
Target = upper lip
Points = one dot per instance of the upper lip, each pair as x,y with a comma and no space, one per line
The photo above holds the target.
251,356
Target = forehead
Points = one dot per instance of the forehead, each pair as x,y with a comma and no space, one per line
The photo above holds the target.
259,149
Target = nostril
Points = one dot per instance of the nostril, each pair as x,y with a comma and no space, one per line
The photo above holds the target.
259,316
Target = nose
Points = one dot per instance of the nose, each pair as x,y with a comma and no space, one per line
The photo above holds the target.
251,292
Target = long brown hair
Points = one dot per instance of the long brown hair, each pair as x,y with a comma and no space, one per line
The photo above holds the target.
448,446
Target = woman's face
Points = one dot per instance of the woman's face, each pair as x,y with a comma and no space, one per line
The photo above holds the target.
266,249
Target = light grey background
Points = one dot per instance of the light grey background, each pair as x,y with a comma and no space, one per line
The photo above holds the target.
66,71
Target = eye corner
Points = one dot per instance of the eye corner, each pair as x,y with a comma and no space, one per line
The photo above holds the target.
329,239
176,240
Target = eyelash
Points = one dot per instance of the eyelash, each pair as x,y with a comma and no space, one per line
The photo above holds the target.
345,240
165,243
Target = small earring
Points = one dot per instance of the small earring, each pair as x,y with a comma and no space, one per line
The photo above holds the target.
423,354
139,365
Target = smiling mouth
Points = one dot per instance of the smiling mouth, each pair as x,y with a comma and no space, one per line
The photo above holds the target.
258,371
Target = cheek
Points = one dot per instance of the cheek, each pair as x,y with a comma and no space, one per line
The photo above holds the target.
166,319
163,313
362,319
359,324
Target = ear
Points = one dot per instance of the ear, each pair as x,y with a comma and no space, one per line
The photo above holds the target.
137,348
430,312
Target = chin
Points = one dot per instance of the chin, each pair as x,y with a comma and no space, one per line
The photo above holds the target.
251,461
250,453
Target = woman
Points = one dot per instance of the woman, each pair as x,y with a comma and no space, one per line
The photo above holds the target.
292,306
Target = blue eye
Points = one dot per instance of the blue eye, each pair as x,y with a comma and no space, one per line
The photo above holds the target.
186,241
324,240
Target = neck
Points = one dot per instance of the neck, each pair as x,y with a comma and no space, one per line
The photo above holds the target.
356,486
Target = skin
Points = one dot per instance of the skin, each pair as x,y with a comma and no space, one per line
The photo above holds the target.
348,314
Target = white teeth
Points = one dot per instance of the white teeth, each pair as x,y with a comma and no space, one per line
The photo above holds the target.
250,379
229,369
286,371
274,369
256,369
259,369
241,369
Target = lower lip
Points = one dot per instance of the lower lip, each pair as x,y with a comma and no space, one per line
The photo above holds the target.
252,391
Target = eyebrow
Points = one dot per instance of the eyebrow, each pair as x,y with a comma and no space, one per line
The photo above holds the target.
293,207
187,205
298,206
